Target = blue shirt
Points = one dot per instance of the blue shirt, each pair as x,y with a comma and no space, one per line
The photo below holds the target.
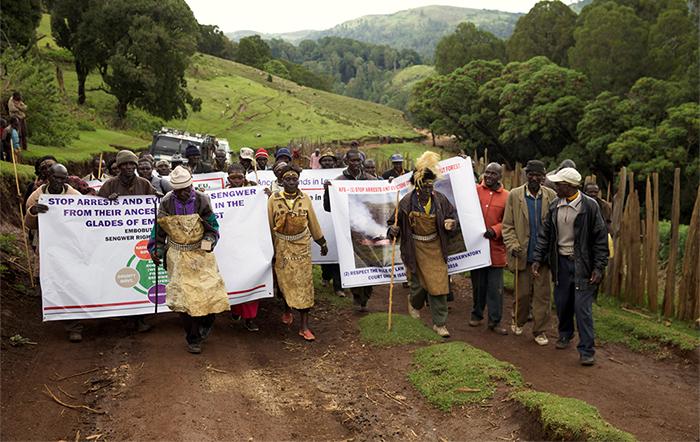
15,138
534,210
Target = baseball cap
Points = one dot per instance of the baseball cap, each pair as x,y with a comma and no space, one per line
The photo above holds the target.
566,175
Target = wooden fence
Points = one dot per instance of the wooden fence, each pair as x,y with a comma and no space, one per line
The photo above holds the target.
635,275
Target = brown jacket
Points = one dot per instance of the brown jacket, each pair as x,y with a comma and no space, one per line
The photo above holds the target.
443,210
139,186
516,223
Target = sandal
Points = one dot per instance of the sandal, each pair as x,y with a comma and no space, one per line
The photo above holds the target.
307,335
287,318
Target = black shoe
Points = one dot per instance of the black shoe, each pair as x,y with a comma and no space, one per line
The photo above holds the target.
75,336
235,317
498,329
562,343
194,348
587,360
204,332
142,326
250,325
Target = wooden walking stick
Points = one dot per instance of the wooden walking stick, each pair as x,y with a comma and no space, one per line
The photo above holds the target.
517,271
21,214
99,169
393,261
155,227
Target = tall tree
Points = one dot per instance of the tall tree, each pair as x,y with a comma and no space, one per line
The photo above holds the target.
253,51
144,47
18,22
66,19
211,40
673,43
610,46
547,29
467,43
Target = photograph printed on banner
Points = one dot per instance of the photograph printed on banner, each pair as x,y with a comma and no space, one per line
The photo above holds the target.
455,244
368,229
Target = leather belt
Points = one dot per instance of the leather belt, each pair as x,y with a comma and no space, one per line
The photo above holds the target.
184,247
296,237
425,237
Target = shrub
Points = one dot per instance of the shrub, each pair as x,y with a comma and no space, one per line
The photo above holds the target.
48,121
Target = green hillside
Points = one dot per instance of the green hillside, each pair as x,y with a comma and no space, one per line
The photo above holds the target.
238,103
419,29
398,88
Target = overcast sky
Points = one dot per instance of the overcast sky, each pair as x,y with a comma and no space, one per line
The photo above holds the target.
273,16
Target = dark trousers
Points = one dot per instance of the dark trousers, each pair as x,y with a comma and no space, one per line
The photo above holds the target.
420,297
332,272
194,325
571,302
487,285
361,295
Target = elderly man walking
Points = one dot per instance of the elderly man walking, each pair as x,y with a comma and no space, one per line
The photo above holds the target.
184,238
426,220
487,283
526,210
574,241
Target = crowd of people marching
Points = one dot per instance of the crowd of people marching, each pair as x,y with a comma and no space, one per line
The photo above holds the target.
548,232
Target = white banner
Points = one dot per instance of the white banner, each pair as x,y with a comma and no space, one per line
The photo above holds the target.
95,262
311,183
361,210
200,181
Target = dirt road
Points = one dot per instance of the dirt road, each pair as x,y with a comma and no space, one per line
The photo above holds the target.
273,386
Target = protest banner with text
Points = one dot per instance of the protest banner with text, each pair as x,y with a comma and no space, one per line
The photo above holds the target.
363,210
95,262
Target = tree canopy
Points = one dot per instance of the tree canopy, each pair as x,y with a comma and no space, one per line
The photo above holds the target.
610,48
467,43
143,48
547,29
18,22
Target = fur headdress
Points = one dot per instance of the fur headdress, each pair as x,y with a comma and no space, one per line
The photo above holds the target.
426,168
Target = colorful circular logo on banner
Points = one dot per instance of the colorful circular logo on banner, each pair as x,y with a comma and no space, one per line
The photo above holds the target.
140,274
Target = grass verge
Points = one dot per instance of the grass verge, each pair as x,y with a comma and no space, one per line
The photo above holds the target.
640,334
456,373
568,418
404,330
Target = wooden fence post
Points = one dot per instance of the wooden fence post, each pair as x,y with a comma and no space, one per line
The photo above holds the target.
689,289
615,270
651,251
670,289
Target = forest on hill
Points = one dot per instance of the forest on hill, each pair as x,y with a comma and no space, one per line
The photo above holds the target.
616,85
418,29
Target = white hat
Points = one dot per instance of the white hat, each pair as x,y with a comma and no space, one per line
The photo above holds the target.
247,153
180,178
567,175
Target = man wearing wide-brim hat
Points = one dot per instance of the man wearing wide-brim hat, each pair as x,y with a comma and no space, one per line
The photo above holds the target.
574,242
186,234
526,209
